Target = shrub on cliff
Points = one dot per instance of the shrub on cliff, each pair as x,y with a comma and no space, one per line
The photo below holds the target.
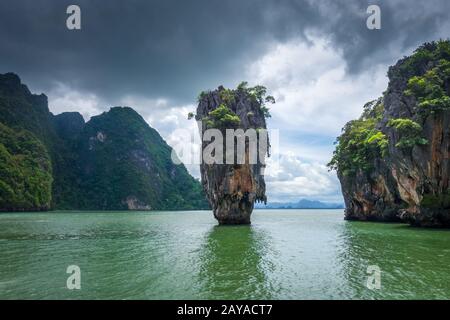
439,201
224,117
258,94
419,62
431,89
360,143
221,118
410,133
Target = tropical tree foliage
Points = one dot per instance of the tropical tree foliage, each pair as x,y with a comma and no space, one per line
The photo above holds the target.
222,117
431,89
258,94
25,171
410,133
357,147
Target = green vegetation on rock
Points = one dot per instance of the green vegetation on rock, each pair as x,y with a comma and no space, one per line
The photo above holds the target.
227,97
431,89
418,63
258,94
410,133
440,201
202,95
25,171
221,118
360,143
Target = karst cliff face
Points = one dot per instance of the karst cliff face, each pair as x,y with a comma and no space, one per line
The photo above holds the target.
232,189
393,162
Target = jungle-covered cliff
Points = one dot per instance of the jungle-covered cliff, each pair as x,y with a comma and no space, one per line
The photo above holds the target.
115,161
393,162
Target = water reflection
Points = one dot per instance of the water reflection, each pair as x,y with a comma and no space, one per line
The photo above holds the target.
414,264
284,255
120,256
354,257
234,264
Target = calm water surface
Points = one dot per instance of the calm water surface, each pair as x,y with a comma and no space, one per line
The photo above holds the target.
284,254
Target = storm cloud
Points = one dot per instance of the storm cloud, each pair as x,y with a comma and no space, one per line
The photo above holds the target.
175,49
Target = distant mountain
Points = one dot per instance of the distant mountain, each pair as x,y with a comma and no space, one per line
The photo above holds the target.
302,204
115,161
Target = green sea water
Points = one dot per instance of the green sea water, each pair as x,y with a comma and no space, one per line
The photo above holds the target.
284,254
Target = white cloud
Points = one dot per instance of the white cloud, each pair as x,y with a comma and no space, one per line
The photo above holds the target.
314,92
62,98
295,179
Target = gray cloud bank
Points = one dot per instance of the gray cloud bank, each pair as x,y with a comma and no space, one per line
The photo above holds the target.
174,49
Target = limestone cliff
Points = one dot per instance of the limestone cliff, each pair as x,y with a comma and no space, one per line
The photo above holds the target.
232,189
393,162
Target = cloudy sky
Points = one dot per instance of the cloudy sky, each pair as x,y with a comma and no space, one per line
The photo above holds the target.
317,58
